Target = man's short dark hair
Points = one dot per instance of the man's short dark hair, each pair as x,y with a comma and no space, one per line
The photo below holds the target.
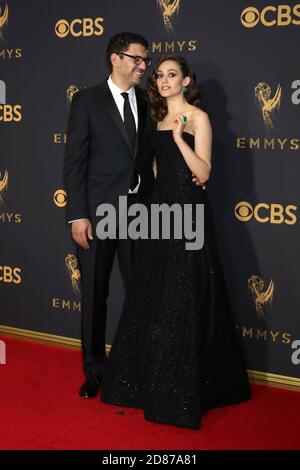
120,43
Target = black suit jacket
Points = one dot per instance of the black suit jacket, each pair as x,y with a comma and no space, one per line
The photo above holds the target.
98,159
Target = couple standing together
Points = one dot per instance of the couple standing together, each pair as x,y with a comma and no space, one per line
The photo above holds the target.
176,352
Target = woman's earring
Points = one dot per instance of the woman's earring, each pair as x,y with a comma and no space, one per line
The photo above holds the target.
184,89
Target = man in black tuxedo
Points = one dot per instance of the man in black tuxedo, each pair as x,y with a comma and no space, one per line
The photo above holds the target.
105,128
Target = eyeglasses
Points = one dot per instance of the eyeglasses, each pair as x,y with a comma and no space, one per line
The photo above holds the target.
138,59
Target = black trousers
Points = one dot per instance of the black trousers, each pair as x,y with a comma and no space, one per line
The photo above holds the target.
96,266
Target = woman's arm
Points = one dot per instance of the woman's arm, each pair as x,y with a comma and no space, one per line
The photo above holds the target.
198,160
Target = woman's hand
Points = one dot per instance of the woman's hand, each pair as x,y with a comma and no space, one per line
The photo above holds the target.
197,181
179,126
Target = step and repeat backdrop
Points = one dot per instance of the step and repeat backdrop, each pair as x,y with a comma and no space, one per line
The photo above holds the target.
246,57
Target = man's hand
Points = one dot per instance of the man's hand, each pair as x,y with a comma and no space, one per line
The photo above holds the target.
197,181
81,232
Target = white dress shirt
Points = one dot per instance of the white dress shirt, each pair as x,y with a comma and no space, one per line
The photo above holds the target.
119,100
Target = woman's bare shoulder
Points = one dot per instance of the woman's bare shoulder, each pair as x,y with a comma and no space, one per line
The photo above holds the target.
200,118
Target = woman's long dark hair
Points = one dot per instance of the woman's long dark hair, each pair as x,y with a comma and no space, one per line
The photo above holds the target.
158,104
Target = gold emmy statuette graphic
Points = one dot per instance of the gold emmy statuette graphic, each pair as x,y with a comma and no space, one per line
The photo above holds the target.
72,267
169,9
261,297
3,185
3,19
72,89
268,105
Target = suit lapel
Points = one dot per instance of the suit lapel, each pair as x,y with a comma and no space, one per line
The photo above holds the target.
111,107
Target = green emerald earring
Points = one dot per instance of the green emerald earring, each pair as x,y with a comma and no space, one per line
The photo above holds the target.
184,89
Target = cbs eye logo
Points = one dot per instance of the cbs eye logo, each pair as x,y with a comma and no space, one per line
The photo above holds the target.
280,15
263,213
79,27
60,198
250,17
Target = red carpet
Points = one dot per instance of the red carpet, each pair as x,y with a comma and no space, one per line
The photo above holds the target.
40,409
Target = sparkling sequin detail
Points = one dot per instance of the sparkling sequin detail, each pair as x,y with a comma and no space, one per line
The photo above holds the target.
176,353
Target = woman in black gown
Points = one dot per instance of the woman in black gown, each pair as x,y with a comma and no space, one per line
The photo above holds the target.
176,353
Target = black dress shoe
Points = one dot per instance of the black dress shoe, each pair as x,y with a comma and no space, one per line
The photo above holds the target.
90,388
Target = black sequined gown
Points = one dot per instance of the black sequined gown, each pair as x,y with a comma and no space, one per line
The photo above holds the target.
176,352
